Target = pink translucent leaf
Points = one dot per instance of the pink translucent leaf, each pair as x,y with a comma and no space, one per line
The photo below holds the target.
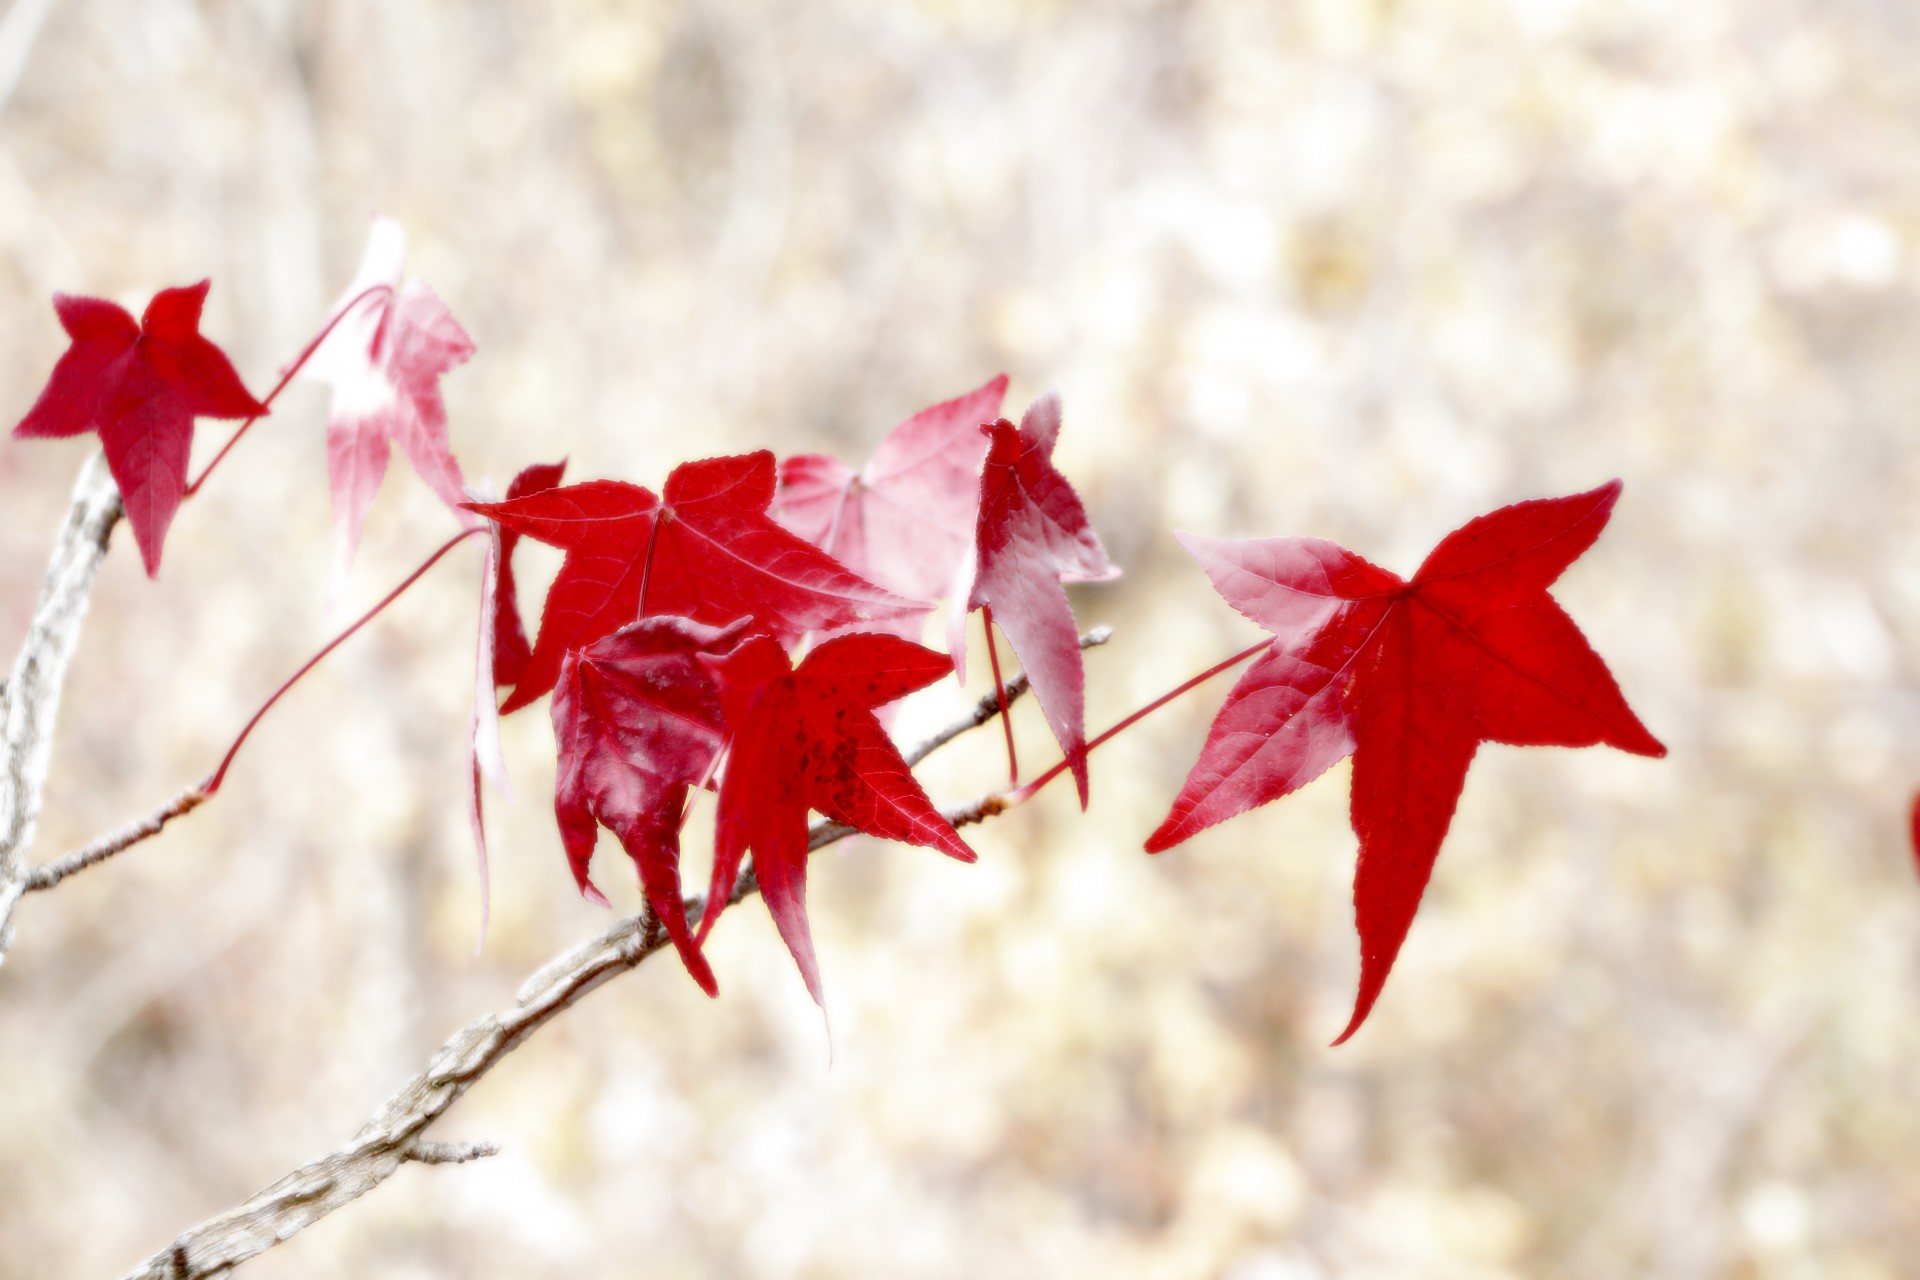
1032,535
384,361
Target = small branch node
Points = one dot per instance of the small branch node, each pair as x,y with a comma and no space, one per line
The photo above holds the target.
426,1151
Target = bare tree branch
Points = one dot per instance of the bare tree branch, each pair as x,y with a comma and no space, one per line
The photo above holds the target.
396,1134
33,691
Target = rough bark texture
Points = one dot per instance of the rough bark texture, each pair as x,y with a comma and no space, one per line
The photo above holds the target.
32,700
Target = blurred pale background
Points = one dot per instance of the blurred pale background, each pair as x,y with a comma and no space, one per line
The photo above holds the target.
1360,270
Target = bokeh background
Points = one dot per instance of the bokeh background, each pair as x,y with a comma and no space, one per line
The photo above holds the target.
1355,269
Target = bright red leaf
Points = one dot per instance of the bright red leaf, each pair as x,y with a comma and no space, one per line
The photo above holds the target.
808,739
140,386
904,521
1408,677
510,648
384,361
707,552
637,722
1032,535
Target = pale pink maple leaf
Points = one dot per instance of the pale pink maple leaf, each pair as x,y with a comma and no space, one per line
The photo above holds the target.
384,360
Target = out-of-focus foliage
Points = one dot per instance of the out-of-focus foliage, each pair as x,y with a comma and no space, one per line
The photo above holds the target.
1346,269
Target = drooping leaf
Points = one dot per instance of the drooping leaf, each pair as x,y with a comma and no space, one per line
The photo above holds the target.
637,722
707,552
1031,536
484,756
1409,677
905,520
140,386
510,648
808,739
384,360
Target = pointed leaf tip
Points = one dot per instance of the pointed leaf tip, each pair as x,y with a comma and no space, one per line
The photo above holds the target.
808,738
1408,677
636,721
1031,536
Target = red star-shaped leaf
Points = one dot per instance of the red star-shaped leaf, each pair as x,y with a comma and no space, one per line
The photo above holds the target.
808,739
140,386
384,360
905,520
708,552
637,722
1032,535
1409,677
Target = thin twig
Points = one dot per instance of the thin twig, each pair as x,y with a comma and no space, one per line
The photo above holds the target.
1021,794
212,784
33,691
52,873
989,706
286,376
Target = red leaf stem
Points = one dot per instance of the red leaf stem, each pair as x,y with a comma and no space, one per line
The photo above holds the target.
1000,694
286,376
1021,794
212,784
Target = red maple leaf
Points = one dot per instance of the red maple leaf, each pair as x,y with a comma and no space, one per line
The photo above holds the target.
140,386
808,739
384,360
707,551
1409,677
510,649
637,722
905,520
1032,535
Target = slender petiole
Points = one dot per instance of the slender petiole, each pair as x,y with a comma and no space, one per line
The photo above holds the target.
646,566
1020,794
212,784
1000,692
285,378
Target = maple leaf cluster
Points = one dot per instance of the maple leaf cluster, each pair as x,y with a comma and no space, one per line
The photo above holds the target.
668,639
742,629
